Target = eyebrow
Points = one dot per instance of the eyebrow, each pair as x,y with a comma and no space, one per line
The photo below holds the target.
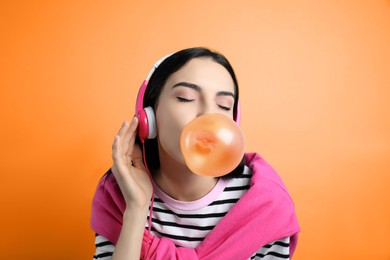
198,88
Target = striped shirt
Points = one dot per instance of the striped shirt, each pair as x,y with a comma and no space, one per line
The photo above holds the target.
188,223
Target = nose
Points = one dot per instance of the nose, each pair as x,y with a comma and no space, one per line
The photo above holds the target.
206,108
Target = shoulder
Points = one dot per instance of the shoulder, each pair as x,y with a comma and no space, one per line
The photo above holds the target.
269,197
108,193
108,206
263,174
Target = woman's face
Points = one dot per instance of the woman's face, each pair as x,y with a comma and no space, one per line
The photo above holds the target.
201,86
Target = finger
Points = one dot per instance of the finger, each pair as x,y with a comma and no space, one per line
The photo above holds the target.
120,163
116,148
130,136
123,129
137,158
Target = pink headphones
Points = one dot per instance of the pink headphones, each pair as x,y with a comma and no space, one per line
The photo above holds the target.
147,128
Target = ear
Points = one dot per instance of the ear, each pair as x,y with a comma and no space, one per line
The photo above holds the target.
147,128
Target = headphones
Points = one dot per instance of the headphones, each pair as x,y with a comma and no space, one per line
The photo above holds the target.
147,128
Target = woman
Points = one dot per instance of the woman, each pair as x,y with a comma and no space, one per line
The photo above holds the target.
245,214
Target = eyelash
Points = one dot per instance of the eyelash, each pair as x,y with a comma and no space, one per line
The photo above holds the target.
181,99
224,108
185,100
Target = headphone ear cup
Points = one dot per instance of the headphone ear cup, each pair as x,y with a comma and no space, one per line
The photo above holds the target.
146,124
152,127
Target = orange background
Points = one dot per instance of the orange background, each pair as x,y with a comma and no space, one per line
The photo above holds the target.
315,95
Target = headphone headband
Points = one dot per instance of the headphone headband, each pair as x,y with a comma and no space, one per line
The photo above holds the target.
141,93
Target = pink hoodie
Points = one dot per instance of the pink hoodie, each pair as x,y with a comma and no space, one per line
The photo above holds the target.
265,213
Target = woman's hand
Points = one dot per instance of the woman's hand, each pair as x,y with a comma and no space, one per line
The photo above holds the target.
129,169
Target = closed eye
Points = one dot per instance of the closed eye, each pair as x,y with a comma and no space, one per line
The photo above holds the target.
181,99
224,108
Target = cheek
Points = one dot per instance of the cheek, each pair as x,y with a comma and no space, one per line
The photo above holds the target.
172,117
170,123
168,127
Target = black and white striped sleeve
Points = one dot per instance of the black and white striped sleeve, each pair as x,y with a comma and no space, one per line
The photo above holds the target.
277,250
104,248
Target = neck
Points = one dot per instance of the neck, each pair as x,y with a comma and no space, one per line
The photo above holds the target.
176,180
